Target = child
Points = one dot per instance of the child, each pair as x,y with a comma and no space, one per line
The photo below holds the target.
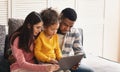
47,48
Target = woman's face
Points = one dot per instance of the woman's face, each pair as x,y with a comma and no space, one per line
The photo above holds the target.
37,28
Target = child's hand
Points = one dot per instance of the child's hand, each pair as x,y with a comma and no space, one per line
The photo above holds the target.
53,61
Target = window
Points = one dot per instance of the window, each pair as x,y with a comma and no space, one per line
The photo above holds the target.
3,12
21,8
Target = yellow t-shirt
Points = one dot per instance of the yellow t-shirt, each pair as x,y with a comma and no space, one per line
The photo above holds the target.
47,49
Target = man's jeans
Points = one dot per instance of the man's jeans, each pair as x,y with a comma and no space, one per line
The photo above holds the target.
83,68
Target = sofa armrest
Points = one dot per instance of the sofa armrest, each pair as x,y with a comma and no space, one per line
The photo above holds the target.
2,39
6,47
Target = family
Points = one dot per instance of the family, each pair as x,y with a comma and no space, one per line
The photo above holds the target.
46,37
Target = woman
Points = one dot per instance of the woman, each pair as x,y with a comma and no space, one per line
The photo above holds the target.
22,46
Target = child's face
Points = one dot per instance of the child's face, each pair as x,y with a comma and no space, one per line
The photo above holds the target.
51,30
37,28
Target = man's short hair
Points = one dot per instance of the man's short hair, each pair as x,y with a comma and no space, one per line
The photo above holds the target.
69,13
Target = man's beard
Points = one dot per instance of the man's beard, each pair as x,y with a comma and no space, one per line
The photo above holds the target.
60,32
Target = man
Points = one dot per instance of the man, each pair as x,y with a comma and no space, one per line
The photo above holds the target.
70,38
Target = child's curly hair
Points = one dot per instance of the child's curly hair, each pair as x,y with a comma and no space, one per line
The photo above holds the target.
49,17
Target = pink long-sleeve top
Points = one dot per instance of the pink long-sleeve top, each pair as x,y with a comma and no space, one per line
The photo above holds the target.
25,60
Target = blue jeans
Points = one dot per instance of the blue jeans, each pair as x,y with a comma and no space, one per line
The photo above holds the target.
83,68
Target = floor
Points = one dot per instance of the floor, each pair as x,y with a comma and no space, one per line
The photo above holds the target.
101,65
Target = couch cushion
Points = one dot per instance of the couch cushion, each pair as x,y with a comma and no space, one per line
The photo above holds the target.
2,39
14,24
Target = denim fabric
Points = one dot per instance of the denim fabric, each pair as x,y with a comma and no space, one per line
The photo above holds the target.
83,68
4,65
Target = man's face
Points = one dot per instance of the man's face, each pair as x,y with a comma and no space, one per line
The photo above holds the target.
65,25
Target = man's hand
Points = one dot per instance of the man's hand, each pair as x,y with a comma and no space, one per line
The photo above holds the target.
75,67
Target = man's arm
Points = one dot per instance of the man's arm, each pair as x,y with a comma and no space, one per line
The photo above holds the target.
78,42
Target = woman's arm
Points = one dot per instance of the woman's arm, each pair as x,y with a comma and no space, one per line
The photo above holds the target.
20,59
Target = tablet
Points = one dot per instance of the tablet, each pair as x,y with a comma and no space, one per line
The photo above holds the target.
68,62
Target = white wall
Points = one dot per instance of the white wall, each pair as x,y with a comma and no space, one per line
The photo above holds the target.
112,30
61,4
90,18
